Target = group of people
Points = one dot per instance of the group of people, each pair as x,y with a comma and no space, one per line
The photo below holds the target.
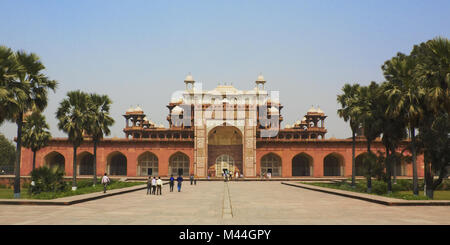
154,184
227,175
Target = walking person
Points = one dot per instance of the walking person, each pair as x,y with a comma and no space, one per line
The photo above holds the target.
171,182
154,186
159,186
195,181
149,185
179,180
191,178
105,182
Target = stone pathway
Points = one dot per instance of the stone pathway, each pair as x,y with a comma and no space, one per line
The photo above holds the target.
217,202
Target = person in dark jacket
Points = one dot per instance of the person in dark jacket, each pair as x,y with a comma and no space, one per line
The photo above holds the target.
191,178
171,182
149,185
179,180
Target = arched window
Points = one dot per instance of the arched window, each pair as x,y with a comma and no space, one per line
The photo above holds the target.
332,166
117,164
55,160
148,165
301,165
86,164
179,165
271,163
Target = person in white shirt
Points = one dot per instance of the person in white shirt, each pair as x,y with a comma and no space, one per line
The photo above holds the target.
154,185
105,182
159,186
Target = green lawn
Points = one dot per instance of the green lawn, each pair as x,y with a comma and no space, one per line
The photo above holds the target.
438,195
378,188
9,193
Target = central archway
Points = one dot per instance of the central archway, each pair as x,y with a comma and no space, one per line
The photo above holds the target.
225,144
224,163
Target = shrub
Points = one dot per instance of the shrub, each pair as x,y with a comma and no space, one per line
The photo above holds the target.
47,180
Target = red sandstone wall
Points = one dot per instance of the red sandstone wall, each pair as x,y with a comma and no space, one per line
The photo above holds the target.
163,150
318,151
131,150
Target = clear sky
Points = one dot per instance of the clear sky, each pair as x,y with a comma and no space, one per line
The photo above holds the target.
138,52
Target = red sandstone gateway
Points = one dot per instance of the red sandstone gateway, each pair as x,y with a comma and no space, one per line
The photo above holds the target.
214,131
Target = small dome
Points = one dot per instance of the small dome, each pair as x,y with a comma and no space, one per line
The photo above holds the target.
161,126
145,119
177,110
260,78
319,110
304,119
189,78
287,126
131,109
298,122
312,110
138,109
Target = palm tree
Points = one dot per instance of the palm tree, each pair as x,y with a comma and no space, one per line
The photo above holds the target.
73,118
371,123
432,73
393,131
23,88
35,135
99,122
351,111
405,100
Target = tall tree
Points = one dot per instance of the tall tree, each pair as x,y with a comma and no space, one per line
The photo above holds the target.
371,124
406,99
432,73
393,131
99,122
351,111
73,116
35,133
23,88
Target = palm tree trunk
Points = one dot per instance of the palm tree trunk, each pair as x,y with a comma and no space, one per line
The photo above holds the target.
34,160
353,158
18,156
74,180
414,162
394,170
388,170
369,177
95,162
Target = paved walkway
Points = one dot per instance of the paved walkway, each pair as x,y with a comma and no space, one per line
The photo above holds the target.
226,203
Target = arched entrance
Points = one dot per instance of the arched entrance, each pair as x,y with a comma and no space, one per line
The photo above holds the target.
302,165
147,164
179,164
117,164
333,165
86,164
224,145
224,163
55,160
271,163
